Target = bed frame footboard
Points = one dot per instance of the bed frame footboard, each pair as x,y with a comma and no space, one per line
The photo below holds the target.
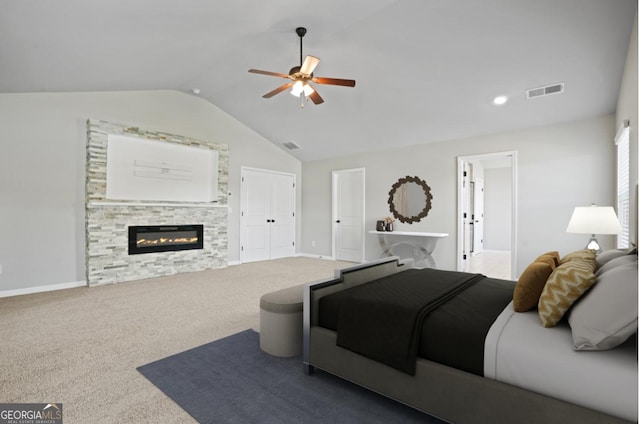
343,279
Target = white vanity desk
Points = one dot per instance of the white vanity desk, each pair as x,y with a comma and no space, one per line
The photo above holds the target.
423,244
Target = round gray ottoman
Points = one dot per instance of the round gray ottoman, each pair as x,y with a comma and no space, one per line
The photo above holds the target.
281,322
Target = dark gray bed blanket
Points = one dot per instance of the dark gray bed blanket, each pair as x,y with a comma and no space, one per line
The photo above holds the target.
383,319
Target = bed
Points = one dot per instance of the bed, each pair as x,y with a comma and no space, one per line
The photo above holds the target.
520,371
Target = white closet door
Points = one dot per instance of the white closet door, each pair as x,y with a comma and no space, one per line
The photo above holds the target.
268,215
256,216
282,216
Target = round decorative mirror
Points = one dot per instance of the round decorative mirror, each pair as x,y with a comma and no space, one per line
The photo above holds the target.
410,199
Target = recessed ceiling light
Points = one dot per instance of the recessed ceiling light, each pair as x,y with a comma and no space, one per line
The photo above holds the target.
500,100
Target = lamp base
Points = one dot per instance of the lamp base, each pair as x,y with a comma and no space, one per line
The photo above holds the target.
594,245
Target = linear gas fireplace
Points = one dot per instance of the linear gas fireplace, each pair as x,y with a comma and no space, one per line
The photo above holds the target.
164,238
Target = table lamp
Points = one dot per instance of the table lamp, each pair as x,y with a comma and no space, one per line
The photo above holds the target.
594,220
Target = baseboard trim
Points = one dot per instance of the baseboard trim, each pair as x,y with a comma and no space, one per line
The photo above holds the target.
304,255
314,256
42,289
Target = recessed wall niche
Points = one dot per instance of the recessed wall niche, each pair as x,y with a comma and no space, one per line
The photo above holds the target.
107,220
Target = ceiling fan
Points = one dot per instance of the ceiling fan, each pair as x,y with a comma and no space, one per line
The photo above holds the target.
301,77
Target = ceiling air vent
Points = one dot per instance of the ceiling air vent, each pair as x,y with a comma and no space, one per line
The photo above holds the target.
291,145
545,91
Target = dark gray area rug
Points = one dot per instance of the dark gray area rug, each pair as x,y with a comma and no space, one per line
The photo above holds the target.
232,381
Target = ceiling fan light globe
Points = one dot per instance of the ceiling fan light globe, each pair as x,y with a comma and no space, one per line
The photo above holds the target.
308,90
297,88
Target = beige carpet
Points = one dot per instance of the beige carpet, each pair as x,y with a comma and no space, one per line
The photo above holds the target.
81,346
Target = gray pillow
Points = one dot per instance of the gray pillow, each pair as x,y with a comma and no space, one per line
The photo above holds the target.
613,263
607,255
607,315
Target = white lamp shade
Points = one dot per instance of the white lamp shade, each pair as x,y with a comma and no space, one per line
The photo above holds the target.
594,220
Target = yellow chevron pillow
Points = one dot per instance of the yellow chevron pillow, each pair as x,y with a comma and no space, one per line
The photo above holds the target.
585,254
565,285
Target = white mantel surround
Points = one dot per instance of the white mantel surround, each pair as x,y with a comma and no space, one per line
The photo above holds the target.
107,220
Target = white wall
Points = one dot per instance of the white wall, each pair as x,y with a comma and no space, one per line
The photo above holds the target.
497,208
42,171
555,173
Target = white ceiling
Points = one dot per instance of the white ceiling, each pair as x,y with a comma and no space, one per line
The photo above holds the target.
426,70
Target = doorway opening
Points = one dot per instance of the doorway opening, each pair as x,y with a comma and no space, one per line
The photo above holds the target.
486,219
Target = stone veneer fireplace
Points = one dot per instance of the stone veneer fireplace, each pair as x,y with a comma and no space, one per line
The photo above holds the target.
107,222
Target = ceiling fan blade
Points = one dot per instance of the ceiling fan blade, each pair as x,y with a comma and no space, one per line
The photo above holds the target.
273,74
335,81
310,63
278,90
315,97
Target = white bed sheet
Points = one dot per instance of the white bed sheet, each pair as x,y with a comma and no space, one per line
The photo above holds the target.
521,352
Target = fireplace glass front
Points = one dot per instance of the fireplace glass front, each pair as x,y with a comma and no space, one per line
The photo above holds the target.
164,238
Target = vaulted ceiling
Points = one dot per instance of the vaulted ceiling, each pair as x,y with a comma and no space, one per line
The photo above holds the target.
426,70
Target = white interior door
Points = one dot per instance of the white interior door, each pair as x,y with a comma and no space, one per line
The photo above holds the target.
467,223
348,215
267,223
478,215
